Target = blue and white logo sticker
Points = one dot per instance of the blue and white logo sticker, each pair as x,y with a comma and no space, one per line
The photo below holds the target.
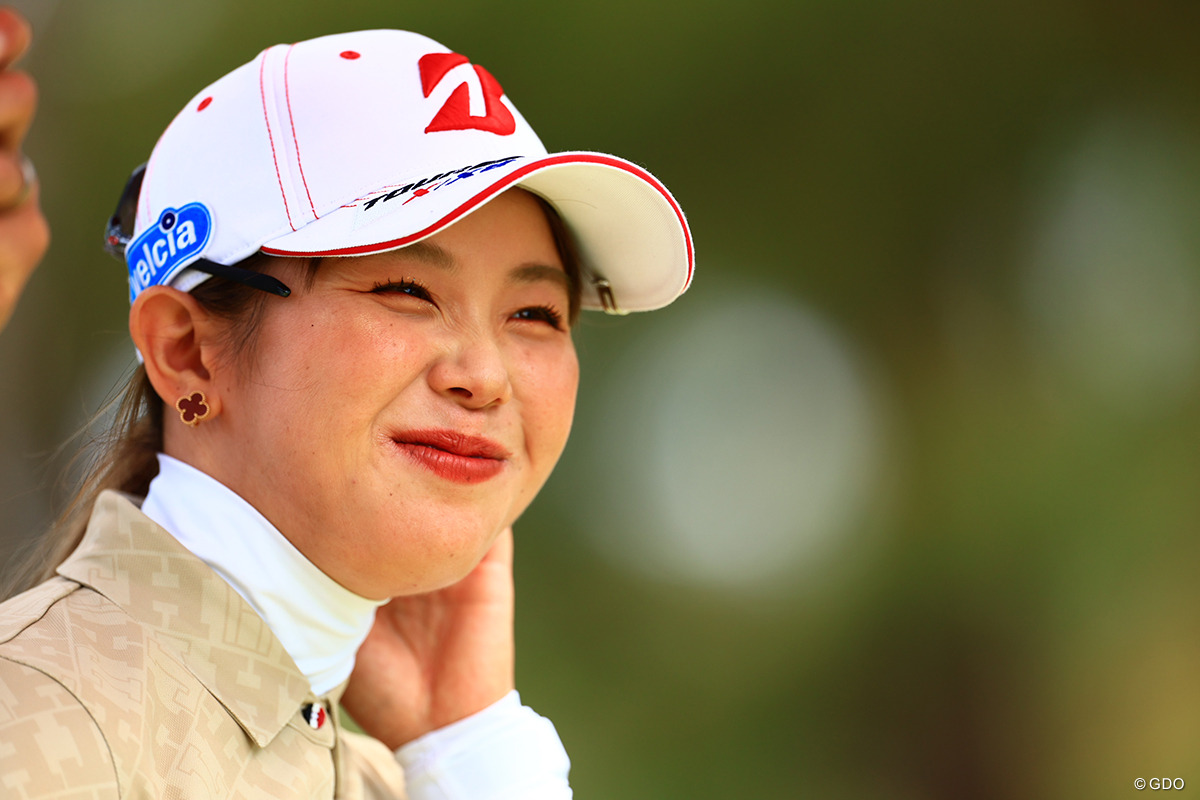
164,249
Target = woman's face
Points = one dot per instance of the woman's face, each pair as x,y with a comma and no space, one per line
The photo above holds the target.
407,407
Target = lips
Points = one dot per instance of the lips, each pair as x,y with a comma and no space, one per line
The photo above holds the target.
454,456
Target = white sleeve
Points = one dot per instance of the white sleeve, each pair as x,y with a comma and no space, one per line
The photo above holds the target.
504,752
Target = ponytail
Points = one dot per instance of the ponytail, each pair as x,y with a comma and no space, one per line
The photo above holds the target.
128,457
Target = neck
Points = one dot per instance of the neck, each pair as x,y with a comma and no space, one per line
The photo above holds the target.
319,622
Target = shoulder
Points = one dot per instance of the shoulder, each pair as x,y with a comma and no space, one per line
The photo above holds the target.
73,678
69,632
72,647
49,738
25,609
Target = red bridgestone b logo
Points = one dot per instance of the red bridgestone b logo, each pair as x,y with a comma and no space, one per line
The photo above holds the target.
455,113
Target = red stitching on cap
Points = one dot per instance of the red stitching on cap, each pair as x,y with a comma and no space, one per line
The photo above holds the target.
287,93
262,90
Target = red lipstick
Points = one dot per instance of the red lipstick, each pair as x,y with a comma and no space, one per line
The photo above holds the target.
452,455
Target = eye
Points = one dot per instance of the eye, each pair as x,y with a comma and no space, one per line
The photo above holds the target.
406,286
545,314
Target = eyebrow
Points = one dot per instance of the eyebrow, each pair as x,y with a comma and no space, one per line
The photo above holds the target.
535,273
439,257
431,254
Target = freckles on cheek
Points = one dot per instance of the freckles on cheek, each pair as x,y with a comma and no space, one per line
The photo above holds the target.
550,400
375,358
384,345
360,339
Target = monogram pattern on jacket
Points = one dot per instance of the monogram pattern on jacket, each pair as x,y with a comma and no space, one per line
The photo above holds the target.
139,673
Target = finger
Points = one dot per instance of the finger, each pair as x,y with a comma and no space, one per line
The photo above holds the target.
24,236
16,181
501,551
492,578
18,99
24,232
15,35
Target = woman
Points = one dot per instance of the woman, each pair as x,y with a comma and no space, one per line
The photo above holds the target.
353,271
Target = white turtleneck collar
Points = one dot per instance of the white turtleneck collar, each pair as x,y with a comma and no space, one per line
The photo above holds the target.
319,622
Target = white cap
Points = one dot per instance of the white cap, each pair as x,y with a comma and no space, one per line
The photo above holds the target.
364,142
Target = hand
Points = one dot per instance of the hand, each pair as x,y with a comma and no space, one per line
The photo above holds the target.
24,234
436,658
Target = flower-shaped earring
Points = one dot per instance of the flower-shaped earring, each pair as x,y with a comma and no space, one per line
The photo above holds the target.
193,409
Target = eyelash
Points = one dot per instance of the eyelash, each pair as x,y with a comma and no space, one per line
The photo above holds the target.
406,286
547,314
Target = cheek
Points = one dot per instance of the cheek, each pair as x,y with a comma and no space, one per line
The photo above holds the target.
326,373
353,354
549,402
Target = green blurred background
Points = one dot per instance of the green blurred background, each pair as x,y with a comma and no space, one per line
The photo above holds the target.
899,501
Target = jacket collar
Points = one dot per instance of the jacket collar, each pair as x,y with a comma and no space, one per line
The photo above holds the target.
191,612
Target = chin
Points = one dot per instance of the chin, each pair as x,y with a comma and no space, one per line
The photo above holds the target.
447,573
436,560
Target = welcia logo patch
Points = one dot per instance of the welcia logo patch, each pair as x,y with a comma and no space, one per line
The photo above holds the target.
162,250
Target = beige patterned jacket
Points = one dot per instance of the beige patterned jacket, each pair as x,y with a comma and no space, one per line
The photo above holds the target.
140,673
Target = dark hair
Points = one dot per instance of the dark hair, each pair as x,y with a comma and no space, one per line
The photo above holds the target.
568,252
128,453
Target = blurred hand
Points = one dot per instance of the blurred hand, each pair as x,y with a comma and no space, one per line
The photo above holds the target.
436,658
24,233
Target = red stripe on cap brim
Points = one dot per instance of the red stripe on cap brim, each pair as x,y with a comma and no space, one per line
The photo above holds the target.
509,180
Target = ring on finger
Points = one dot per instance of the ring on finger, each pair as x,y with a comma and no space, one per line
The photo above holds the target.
28,179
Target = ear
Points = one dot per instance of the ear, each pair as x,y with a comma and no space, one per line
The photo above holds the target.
178,342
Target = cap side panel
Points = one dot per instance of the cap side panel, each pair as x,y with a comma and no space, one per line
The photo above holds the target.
143,205
217,152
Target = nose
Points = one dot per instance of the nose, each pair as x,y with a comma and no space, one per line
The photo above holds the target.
473,372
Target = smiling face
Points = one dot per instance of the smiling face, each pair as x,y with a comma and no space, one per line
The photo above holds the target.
405,407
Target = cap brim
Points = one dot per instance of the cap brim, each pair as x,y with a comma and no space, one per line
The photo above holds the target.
628,227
